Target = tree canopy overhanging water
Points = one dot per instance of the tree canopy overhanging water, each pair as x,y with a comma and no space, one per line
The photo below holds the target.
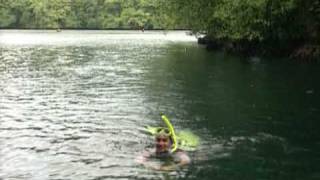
288,28
73,106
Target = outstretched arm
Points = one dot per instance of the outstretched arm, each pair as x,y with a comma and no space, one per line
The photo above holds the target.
144,158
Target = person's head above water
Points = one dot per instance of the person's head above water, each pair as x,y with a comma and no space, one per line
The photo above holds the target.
165,146
163,141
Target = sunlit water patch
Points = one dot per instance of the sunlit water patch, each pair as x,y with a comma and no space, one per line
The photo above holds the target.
91,38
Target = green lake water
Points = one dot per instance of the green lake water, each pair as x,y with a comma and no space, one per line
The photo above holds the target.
73,105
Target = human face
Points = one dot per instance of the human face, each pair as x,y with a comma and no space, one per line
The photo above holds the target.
162,144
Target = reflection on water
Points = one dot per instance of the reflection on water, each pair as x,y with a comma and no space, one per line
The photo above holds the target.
73,106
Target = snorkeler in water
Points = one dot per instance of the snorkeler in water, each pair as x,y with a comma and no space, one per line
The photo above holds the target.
165,150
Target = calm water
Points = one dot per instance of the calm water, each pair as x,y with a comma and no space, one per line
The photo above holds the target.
73,105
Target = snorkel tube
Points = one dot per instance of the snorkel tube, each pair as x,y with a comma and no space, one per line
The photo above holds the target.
172,133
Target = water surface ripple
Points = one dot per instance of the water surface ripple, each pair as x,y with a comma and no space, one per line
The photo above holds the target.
73,106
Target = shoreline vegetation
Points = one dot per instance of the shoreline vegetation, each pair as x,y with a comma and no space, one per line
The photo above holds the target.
286,28
303,52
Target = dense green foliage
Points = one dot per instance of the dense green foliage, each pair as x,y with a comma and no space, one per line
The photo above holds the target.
270,25
221,19
252,20
283,27
88,14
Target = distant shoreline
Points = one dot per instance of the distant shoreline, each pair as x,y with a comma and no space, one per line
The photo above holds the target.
115,29
100,31
85,37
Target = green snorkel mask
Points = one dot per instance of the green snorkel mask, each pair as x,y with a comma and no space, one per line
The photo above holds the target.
162,131
167,131
185,140
171,133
